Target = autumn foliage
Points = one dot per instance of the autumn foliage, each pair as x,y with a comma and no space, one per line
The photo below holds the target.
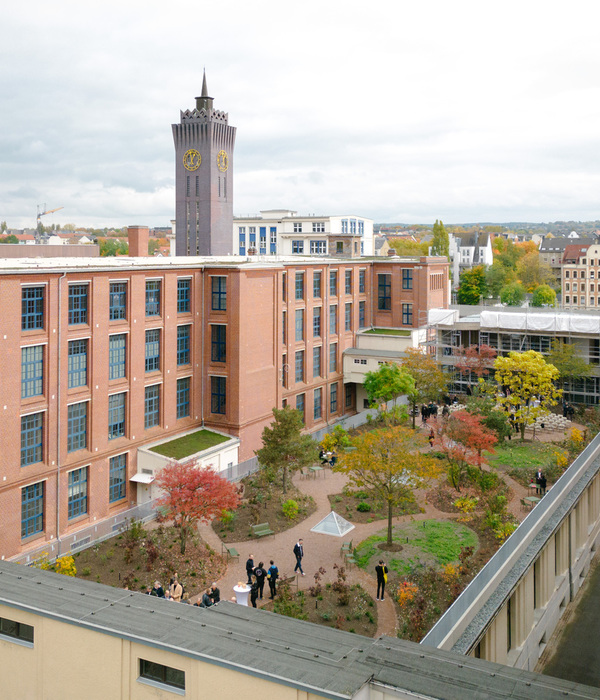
194,494
476,359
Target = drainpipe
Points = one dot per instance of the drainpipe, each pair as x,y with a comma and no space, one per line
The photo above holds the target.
202,368
58,405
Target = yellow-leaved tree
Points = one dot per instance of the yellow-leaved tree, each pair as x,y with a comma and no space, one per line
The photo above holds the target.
529,385
389,463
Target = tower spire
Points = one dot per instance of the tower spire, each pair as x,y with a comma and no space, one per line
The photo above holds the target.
204,101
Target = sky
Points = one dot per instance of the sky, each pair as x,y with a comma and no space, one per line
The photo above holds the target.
399,111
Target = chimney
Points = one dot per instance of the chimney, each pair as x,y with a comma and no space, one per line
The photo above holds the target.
137,237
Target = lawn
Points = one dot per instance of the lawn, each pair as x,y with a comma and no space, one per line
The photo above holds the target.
388,331
189,444
522,459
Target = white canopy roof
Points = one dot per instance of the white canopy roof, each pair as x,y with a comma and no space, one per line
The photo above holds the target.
333,524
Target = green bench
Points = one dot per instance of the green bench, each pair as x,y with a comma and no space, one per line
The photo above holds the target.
231,552
261,530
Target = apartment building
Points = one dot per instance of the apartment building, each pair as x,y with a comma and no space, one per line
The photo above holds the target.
580,278
103,357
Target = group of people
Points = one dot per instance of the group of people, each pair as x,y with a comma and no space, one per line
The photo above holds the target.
540,482
176,593
327,458
256,579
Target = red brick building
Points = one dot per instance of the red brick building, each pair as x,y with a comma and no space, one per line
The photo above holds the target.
100,357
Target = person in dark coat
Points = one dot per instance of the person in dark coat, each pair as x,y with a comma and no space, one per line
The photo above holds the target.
299,553
539,477
424,413
543,484
206,601
381,570
272,576
253,592
250,568
261,575
215,593
158,590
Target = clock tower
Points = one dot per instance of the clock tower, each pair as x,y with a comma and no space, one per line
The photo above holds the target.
204,144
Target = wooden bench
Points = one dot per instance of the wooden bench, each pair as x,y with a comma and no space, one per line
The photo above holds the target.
290,580
261,530
231,552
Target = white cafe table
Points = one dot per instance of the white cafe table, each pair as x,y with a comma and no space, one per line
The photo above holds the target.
241,594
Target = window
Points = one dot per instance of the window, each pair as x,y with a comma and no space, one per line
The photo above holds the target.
151,406
77,493
361,228
317,285
77,363
117,480
32,371
284,286
16,630
300,405
218,343
407,279
407,314
298,247
284,327
117,304
299,325
348,281
183,397
153,298
317,362
116,416
318,398
318,248
567,286
348,394
32,308
116,356
317,322
31,438
348,317
183,345
318,227
299,366
361,314
361,281
567,301
384,298
299,285
567,274
333,319
353,226
219,293
218,397
32,509
162,674
333,357
183,295
333,389
298,227
78,304
333,283
77,426
153,349
344,225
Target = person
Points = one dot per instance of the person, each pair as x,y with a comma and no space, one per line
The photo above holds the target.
299,552
261,575
250,568
539,475
445,412
543,484
333,460
272,576
206,599
175,589
215,593
158,590
323,457
424,413
253,591
431,437
381,570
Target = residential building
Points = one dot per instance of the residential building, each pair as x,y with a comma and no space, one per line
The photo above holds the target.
284,232
552,249
103,357
468,250
580,277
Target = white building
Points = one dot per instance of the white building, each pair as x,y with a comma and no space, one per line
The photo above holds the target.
283,232
468,250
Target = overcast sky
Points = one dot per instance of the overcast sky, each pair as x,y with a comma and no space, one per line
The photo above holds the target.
395,110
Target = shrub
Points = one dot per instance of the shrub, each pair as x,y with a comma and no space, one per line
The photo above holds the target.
363,507
227,517
65,565
86,571
290,509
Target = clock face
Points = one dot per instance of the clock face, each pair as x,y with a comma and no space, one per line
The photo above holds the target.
191,159
222,161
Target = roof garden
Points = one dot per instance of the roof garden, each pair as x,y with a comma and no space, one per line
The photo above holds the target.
190,444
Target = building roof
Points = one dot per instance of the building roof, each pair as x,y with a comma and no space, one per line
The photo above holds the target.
322,660
575,251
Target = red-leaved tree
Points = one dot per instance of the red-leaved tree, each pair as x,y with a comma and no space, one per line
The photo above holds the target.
462,441
194,494
476,359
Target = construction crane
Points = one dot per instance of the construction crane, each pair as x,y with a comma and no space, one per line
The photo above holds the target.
43,213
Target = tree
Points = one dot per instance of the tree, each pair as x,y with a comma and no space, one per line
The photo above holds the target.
498,276
543,295
408,246
476,359
532,272
388,382
483,403
506,253
285,448
472,286
3,227
429,380
462,441
9,239
528,383
388,463
111,247
440,245
513,294
194,494
569,364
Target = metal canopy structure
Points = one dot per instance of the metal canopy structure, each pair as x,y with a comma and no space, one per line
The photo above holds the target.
333,524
